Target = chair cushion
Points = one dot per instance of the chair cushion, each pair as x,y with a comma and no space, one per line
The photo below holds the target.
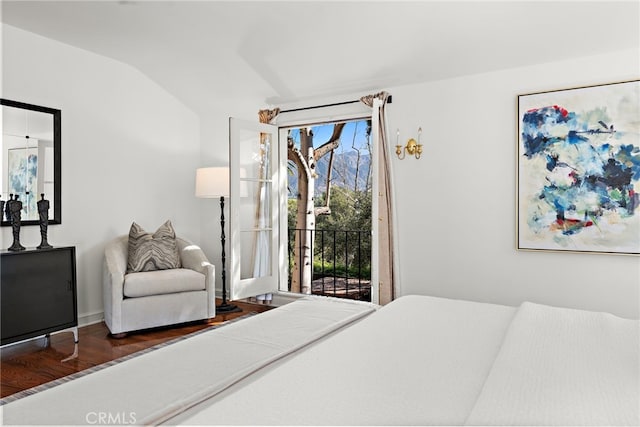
148,283
149,252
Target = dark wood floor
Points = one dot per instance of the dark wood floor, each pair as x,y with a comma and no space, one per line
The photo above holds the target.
32,363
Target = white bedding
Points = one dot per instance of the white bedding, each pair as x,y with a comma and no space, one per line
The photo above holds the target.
417,361
432,361
563,367
152,387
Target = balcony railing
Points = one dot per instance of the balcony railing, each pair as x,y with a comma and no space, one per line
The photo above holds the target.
341,264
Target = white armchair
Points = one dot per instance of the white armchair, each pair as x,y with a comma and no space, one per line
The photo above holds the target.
149,299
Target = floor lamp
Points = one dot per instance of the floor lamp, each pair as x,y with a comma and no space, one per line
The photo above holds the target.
213,183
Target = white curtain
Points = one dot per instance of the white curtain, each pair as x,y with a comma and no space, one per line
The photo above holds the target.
385,249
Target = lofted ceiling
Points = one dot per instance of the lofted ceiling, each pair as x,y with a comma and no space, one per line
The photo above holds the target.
205,52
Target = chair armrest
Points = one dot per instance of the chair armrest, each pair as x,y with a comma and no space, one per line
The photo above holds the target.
113,272
115,255
192,257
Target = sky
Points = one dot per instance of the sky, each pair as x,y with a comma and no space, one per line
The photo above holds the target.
354,133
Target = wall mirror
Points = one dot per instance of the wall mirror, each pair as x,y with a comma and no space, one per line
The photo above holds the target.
30,159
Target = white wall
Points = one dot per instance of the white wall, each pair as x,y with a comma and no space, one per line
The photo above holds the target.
456,205
129,151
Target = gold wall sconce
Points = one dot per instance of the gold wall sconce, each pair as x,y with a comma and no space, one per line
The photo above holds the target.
412,148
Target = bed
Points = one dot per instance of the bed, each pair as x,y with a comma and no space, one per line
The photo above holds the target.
417,361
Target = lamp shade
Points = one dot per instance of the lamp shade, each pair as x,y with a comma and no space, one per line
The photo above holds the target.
212,182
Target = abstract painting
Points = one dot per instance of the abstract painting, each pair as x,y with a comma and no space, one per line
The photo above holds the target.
23,178
579,169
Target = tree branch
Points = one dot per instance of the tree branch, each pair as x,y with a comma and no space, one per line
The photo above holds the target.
323,210
331,144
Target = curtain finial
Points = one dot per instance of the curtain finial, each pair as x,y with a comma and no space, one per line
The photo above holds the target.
265,116
368,99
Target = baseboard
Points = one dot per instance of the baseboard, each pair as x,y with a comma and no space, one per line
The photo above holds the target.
90,318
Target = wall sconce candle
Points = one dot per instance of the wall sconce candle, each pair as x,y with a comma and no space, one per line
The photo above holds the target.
413,148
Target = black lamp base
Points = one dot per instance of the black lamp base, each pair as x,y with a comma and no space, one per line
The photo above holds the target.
227,308
224,307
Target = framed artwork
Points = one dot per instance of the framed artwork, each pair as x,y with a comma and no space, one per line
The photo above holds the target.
23,177
579,169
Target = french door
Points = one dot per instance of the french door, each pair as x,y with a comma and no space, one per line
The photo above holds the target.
258,210
254,208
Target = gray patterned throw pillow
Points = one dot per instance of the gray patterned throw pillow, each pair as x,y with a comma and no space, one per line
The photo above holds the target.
149,252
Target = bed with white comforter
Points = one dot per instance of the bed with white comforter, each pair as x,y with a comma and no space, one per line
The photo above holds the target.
417,361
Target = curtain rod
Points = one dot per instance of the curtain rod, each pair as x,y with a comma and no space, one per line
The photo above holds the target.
335,104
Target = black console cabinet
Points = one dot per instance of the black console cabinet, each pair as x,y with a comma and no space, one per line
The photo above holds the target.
38,293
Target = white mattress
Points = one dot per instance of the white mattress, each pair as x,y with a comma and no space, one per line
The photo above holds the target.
416,361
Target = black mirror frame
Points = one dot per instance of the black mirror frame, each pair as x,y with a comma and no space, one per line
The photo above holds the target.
57,160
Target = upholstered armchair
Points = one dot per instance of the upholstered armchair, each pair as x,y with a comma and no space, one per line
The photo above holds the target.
147,299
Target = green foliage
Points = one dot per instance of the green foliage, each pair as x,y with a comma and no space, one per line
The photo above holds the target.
350,244
343,250
339,270
292,210
350,210
342,239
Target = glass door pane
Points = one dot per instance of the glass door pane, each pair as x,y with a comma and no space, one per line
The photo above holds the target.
253,209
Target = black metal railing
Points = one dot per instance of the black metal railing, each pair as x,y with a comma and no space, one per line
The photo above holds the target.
341,264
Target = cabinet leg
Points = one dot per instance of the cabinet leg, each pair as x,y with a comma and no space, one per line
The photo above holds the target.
74,355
